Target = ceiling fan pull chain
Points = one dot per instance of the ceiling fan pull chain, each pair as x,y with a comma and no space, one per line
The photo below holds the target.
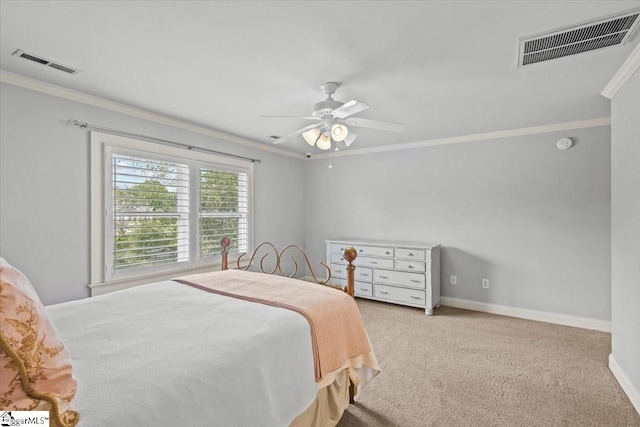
330,150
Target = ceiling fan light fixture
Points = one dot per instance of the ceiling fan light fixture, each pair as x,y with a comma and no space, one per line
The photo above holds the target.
339,132
324,143
331,119
311,136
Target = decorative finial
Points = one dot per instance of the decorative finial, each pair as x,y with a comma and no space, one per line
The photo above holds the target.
225,242
350,254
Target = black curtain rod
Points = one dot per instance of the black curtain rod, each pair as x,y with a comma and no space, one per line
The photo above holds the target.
163,141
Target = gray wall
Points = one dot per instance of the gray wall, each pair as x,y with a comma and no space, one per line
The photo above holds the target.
44,188
532,219
625,229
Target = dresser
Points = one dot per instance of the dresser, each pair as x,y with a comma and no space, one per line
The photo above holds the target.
396,272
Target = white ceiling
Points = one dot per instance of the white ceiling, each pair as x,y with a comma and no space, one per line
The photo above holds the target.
444,69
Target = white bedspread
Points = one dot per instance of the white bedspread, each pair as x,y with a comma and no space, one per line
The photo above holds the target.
167,354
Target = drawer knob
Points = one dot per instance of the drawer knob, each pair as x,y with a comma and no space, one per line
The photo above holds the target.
364,274
410,267
384,293
359,250
387,253
364,289
410,254
373,262
415,297
384,277
415,281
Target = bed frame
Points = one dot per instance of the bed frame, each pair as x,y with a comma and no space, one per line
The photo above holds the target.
349,255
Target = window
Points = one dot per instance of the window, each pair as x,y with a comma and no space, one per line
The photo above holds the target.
223,202
165,208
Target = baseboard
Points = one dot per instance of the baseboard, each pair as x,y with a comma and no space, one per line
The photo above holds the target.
523,313
625,383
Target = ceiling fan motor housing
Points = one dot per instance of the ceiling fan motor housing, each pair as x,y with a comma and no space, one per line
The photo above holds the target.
325,108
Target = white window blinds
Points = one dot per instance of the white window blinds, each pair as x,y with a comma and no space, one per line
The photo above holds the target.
223,209
164,212
150,212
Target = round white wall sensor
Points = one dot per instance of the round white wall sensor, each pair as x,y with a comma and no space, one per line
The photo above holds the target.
564,143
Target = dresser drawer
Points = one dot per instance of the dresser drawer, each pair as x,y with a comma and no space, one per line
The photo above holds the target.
374,262
361,289
338,282
363,274
401,295
339,271
411,280
419,266
380,251
337,258
339,247
411,253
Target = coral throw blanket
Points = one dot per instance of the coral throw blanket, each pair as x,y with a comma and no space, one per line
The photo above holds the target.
337,330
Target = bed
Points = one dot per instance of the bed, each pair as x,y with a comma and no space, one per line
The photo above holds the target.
175,352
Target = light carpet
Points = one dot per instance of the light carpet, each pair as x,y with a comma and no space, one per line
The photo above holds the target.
467,368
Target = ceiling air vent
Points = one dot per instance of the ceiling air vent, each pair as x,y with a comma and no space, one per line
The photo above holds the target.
40,60
605,32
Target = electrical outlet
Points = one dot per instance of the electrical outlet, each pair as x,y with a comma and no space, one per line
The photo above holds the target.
485,283
453,279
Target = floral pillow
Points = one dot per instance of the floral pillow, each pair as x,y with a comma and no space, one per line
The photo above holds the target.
13,276
36,371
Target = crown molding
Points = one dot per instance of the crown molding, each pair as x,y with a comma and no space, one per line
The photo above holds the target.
580,124
62,92
95,101
625,72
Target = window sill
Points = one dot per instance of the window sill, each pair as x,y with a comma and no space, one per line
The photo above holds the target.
120,284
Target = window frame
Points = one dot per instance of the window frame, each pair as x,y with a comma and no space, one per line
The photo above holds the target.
102,148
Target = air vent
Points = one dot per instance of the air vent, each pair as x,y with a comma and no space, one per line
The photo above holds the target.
610,31
40,60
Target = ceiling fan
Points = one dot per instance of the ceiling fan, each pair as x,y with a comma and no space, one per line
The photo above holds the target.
332,118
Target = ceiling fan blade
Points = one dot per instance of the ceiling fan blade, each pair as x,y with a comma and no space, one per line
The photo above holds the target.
374,124
349,108
296,117
299,131
350,138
